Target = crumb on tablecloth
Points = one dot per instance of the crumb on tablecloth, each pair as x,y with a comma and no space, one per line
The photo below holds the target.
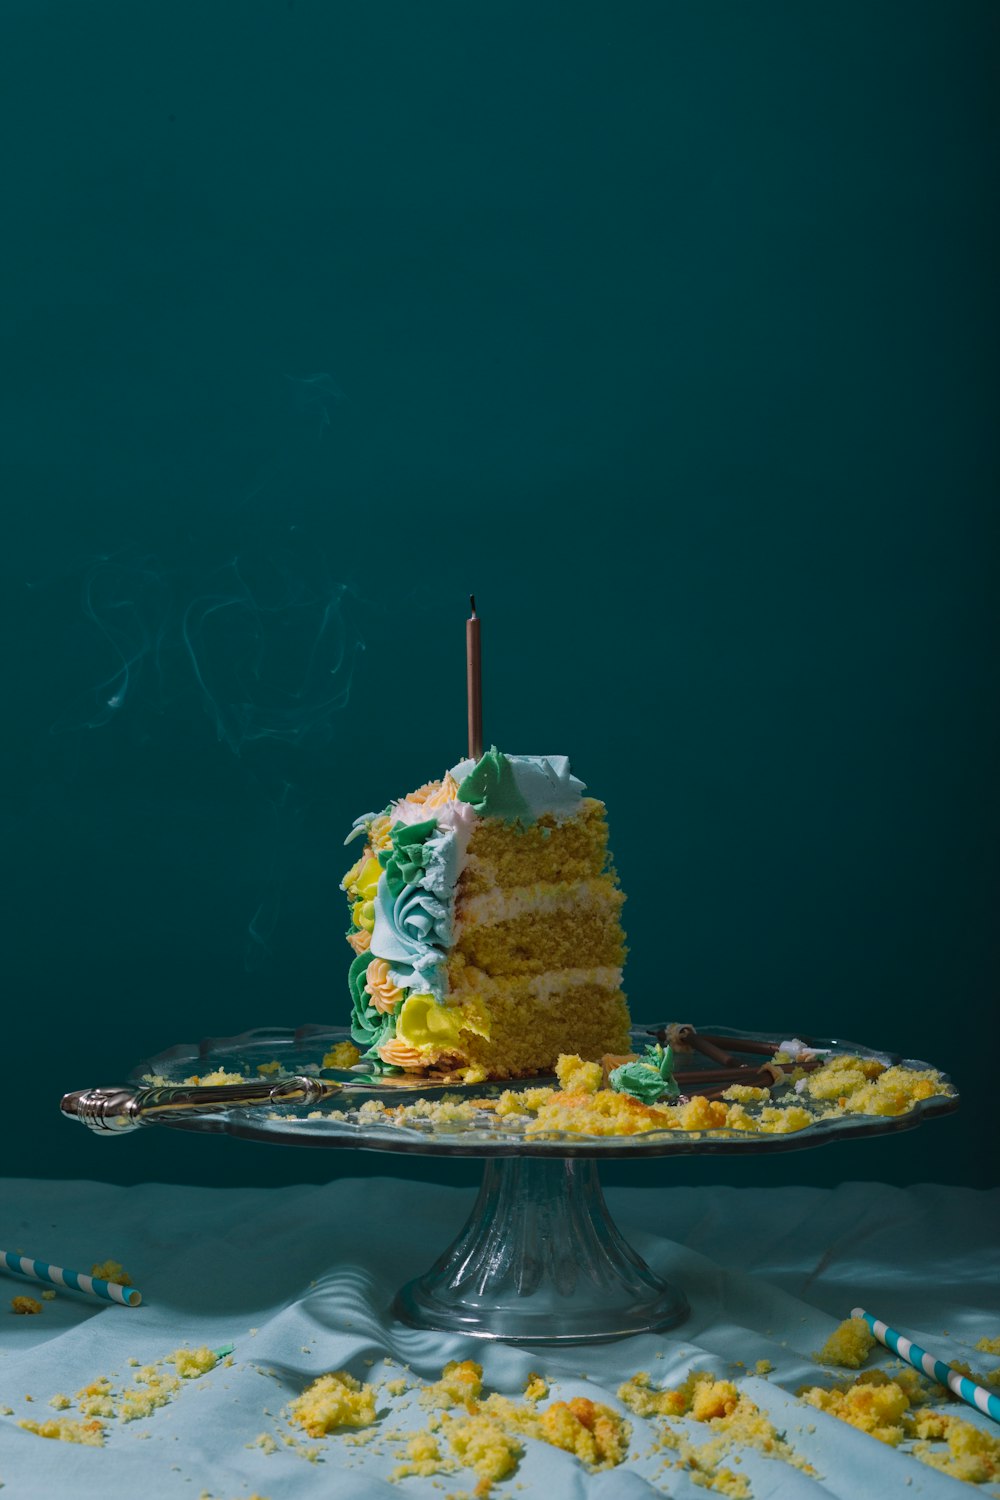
99,1399
849,1345
730,1414
25,1306
67,1430
883,1407
332,1401
111,1270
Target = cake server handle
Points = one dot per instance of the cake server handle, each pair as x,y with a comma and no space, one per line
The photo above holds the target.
117,1109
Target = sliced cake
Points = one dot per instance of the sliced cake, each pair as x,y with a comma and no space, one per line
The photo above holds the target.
485,923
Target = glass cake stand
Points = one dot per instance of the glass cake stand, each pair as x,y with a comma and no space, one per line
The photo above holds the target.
539,1261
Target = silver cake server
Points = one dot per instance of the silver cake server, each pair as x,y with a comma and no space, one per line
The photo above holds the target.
117,1108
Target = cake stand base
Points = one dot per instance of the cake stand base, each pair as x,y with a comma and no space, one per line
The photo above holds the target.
540,1261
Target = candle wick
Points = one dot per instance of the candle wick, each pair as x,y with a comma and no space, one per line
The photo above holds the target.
472,605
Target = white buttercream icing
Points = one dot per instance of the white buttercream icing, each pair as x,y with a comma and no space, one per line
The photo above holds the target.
544,781
493,907
550,986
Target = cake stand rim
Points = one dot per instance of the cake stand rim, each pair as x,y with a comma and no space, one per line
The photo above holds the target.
645,1146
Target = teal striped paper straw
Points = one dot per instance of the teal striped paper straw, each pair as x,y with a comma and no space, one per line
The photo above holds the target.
38,1270
969,1390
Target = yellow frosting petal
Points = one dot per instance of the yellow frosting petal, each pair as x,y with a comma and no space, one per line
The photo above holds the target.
422,1022
363,915
367,881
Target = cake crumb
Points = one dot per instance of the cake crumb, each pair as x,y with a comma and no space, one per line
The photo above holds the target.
594,1433
422,1457
343,1055
576,1076
732,1416
332,1401
49,1296
26,1306
883,1408
481,1443
461,1384
67,1430
111,1270
871,1402
214,1079
848,1346
190,1363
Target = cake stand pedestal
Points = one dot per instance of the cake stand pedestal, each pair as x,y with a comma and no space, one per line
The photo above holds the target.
540,1260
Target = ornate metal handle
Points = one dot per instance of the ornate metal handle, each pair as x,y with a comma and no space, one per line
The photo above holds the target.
118,1109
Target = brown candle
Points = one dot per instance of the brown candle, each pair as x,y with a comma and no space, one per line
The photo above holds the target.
474,680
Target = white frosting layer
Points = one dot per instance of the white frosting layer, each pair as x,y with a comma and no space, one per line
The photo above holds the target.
493,907
550,986
544,781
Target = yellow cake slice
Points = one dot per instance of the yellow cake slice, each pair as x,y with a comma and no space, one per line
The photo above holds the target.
486,924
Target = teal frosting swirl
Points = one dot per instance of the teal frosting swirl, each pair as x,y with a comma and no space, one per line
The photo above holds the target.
365,1019
408,859
383,1030
369,1027
649,1079
492,790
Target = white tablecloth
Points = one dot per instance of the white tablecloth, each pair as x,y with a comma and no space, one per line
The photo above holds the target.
313,1270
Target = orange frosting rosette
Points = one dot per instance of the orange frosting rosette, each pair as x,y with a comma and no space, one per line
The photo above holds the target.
433,795
379,834
399,1054
360,941
384,994
446,792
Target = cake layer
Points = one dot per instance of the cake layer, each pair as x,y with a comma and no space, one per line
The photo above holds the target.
527,1036
465,981
503,855
574,935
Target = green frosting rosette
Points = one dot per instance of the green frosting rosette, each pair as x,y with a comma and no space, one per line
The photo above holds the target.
405,865
492,791
650,1078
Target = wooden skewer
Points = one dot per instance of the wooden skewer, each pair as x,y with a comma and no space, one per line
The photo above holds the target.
741,1044
708,1048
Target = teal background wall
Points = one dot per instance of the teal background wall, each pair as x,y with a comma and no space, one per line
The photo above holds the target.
668,328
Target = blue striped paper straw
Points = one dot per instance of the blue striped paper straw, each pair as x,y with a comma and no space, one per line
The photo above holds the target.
38,1270
969,1390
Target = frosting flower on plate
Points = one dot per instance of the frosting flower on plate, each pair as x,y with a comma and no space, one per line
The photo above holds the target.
649,1078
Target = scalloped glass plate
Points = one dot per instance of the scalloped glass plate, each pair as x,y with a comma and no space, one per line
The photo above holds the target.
339,1123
